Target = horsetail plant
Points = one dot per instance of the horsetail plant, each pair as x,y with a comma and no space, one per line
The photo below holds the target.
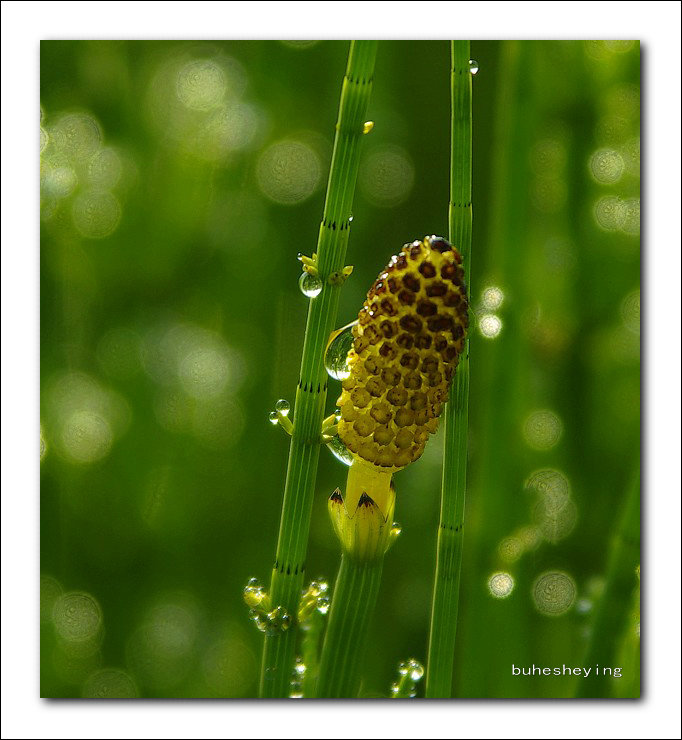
327,268
445,602
407,342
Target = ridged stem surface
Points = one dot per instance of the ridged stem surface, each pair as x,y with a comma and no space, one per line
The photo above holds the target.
449,550
355,594
289,566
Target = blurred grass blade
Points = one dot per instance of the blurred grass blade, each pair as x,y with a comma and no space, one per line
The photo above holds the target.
287,576
611,614
449,556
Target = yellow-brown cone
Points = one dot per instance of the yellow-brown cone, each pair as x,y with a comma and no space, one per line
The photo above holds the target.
407,343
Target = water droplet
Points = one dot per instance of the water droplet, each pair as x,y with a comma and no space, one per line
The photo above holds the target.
473,66
299,256
310,285
273,416
314,599
319,587
283,407
393,535
410,671
415,669
259,620
336,354
278,620
296,685
350,218
254,593
340,451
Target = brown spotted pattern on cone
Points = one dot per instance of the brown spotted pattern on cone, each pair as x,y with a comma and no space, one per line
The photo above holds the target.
407,343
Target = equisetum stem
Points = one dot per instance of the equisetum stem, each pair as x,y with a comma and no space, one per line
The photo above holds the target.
310,649
449,553
610,617
289,566
355,594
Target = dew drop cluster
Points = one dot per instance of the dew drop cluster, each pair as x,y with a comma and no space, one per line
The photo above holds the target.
267,619
315,600
410,672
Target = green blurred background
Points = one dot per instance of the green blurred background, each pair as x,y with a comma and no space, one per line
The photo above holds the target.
178,181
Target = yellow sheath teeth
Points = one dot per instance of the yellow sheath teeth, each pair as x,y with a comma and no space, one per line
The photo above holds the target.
365,530
407,343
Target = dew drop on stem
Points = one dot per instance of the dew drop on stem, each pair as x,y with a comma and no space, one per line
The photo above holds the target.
340,451
282,407
310,285
336,354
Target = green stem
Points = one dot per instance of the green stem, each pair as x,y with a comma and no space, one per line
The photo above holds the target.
355,595
449,554
289,566
614,605
310,650
503,374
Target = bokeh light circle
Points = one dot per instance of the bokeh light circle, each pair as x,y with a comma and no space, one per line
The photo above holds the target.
86,436
109,683
630,220
76,135
490,325
387,176
554,593
77,616
96,213
609,212
201,84
492,297
542,429
630,311
289,172
501,585
606,166
105,168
